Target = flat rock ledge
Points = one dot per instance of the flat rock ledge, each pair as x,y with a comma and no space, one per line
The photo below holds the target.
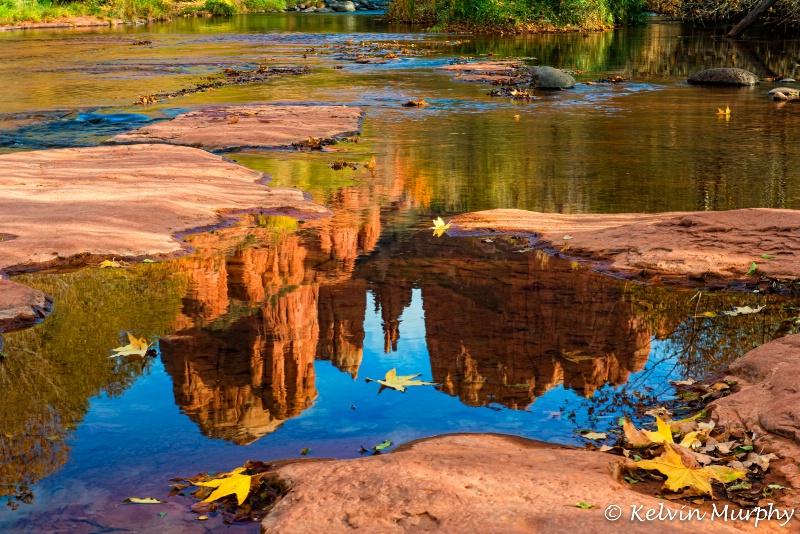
767,401
679,245
485,483
234,127
21,306
124,201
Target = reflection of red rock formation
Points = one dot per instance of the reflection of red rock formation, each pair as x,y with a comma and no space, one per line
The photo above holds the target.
240,383
507,332
341,324
393,299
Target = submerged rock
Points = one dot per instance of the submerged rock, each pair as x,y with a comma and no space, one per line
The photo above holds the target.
124,201
263,126
697,245
484,483
550,78
21,306
725,76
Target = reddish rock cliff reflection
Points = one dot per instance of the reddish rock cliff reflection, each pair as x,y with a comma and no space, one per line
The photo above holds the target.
505,327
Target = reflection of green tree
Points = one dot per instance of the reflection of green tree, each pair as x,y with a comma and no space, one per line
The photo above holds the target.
53,370
702,346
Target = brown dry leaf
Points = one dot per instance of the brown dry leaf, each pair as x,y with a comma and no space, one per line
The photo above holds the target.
636,437
679,475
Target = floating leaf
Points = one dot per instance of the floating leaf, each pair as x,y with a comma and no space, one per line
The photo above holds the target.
162,514
384,444
584,505
597,436
726,112
743,310
304,451
235,482
439,227
136,347
753,268
567,237
144,500
393,381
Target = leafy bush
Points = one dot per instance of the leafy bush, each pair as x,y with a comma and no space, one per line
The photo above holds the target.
223,8
264,5
509,13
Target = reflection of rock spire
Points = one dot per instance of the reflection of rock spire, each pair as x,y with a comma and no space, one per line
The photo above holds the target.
341,324
392,299
242,382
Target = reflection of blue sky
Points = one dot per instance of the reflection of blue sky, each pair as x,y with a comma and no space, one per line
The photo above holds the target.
145,440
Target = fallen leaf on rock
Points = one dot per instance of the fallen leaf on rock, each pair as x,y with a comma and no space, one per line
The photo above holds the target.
112,264
371,165
144,500
636,437
235,482
753,268
584,505
768,256
724,474
136,347
662,435
679,475
202,518
567,237
393,381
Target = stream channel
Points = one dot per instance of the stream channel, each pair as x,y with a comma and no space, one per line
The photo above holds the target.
266,332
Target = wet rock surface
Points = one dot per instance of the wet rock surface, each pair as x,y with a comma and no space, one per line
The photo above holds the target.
767,402
551,78
21,306
467,483
233,127
113,201
683,245
726,76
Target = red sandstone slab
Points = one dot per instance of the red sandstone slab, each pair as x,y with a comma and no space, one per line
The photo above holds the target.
484,483
486,67
235,127
21,306
721,244
124,201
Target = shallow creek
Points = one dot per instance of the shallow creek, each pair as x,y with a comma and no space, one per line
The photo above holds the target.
267,330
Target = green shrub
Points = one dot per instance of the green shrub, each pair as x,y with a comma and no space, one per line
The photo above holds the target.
264,5
222,8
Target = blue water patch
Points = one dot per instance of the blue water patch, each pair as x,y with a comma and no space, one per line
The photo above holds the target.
78,129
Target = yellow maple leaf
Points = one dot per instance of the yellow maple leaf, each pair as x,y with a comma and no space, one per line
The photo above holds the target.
392,380
114,264
439,227
662,435
235,482
635,437
136,347
371,165
679,475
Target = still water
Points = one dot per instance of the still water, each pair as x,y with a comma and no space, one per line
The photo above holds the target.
266,332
